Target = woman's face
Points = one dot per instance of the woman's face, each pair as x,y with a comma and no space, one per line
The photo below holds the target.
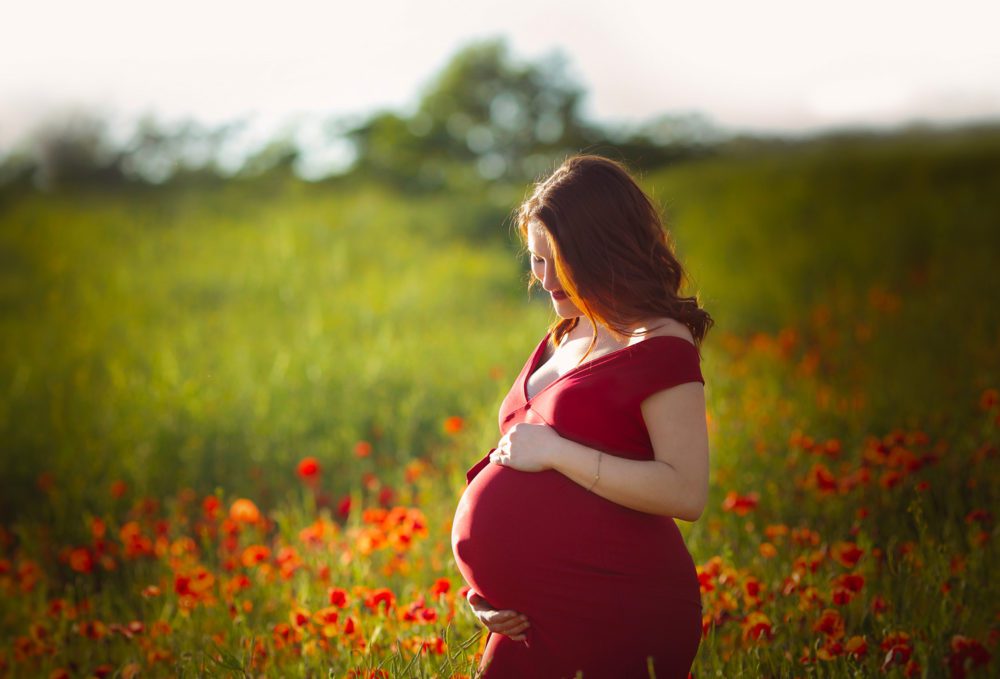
544,269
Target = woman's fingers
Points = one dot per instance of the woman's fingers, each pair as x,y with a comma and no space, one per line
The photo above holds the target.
481,607
506,622
478,602
518,630
506,616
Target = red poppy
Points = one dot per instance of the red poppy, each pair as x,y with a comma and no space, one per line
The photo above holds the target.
379,596
93,629
850,581
453,424
757,626
255,554
841,596
338,597
440,586
830,623
385,496
897,647
210,505
344,507
81,561
966,654
847,553
299,617
831,448
118,489
309,469
326,616
830,649
740,504
822,478
890,479
856,646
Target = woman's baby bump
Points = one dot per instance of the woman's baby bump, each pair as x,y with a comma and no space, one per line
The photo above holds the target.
508,530
519,537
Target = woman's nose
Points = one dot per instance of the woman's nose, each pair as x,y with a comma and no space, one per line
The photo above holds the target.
549,280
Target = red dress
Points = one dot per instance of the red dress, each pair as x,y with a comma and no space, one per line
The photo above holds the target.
602,585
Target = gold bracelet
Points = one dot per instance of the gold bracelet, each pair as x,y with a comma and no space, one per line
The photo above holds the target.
599,455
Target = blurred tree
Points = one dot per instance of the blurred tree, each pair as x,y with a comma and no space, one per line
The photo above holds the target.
73,147
507,121
276,157
155,153
17,167
668,138
388,150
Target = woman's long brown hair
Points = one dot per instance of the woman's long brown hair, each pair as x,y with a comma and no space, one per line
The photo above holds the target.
611,251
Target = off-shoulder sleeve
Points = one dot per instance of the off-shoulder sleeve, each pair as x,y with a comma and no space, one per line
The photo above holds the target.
666,363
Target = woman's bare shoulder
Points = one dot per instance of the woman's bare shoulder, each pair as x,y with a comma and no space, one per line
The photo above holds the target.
668,327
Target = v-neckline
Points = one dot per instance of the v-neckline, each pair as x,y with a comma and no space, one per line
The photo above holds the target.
533,365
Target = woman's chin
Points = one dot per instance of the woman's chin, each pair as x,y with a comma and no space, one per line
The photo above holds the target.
566,310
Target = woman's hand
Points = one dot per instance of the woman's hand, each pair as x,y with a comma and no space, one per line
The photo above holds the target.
507,622
527,447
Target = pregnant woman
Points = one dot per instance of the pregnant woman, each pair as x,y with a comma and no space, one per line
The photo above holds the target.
565,532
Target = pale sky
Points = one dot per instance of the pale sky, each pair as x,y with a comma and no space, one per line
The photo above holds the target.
766,65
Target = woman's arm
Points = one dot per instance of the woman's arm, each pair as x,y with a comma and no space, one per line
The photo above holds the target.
675,483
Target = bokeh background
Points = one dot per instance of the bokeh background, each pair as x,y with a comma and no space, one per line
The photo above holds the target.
261,295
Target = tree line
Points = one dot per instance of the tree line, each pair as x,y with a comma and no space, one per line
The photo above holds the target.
484,118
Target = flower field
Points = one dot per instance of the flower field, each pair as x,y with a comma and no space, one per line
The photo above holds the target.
221,458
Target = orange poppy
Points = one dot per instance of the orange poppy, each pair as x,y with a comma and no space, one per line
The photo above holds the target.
244,511
453,424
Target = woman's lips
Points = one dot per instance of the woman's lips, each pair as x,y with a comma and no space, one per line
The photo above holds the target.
559,294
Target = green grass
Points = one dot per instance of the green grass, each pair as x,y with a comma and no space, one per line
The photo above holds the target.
167,343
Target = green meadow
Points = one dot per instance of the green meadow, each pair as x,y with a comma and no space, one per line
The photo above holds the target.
168,351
